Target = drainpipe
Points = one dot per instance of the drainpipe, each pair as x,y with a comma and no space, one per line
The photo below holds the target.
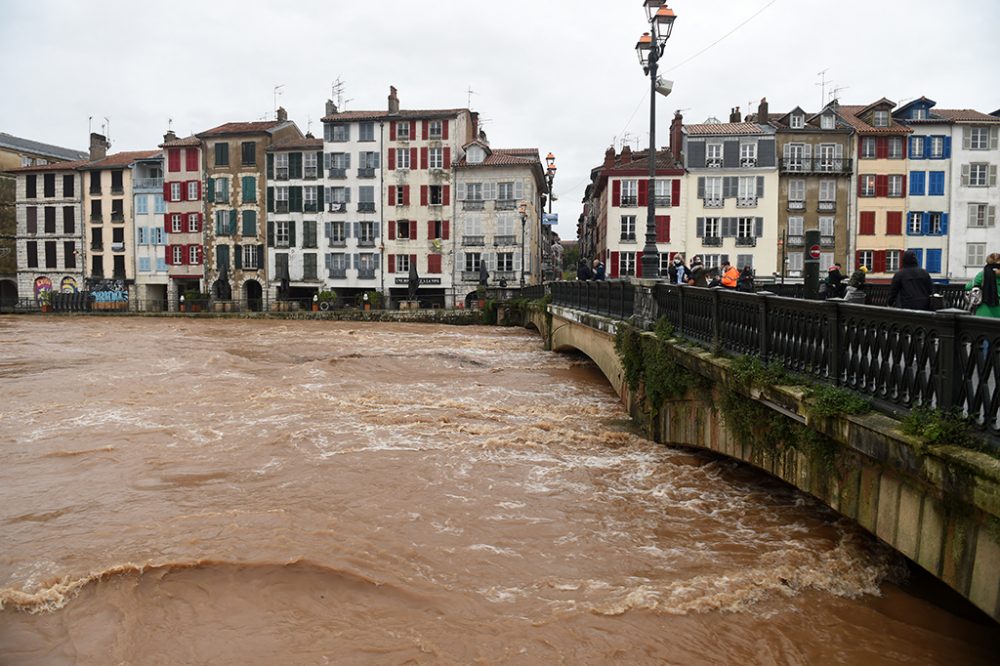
381,213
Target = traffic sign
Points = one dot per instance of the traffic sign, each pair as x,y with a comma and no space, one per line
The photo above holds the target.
814,252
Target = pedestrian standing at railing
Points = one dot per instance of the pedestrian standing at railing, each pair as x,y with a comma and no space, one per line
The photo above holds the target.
730,276
911,286
598,269
855,292
583,270
745,281
988,281
834,282
678,271
697,276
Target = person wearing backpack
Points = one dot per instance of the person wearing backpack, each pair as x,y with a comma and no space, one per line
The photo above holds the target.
988,281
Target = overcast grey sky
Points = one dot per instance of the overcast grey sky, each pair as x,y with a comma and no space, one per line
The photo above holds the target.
559,75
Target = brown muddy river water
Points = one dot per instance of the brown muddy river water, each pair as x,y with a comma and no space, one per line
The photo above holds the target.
267,492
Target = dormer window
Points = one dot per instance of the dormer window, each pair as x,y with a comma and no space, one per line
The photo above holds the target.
920,114
827,121
881,119
476,155
798,121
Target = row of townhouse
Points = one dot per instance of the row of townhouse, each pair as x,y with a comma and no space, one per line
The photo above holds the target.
873,180
257,210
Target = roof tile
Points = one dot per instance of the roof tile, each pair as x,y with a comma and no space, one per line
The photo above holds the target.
411,114
724,128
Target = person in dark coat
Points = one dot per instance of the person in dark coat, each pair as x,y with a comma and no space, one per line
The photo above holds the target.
911,285
583,270
697,276
834,282
598,269
745,281
678,272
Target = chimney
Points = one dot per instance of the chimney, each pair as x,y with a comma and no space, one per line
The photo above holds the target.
609,157
676,136
734,115
169,136
626,155
762,117
393,101
98,146
282,114
331,108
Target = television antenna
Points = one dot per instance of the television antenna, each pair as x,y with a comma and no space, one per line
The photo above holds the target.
277,93
470,92
822,84
835,93
337,89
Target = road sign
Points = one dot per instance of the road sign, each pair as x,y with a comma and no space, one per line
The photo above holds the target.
814,252
550,218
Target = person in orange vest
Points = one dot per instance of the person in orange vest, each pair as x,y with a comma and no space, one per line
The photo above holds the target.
729,275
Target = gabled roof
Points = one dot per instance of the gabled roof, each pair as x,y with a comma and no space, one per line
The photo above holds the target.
181,143
51,166
882,102
120,159
407,114
920,101
709,129
528,157
850,114
39,148
256,127
640,161
967,115
305,143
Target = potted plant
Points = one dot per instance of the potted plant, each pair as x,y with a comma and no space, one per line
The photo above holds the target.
195,300
481,295
370,299
45,300
325,300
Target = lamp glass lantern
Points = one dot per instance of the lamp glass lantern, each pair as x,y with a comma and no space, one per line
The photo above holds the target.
663,23
651,7
643,48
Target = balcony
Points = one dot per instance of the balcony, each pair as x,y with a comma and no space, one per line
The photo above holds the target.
748,162
714,162
662,201
827,241
473,205
797,205
310,173
366,173
337,207
714,203
338,273
117,216
746,241
712,241
827,206
628,201
118,247
366,206
366,273
366,242
746,202
281,173
504,240
506,204
148,184
338,173
338,242
281,206
838,166
797,240
473,240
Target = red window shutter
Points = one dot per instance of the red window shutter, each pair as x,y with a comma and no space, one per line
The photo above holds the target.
857,259
445,228
423,194
434,263
423,154
643,192
413,260
392,231
191,157
406,195
444,129
392,195
881,148
169,260
413,155
413,232
616,193
430,230
392,135
675,192
174,159
423,132
184,255
861,185
201,254
166,191
392,158
867,226
662,228
446,198
446,162
392,260
904,181
881,186
413,129
879,261
614,264
199,189
638,264
893,223
184,190
166,222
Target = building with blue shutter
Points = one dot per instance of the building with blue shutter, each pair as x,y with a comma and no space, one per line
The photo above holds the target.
149,237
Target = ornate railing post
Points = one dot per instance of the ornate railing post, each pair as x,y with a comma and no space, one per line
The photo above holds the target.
680,309
763,332
716,319
947,353
834,342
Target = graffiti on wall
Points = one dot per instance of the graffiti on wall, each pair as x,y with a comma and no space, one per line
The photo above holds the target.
42,284
109,294
68,285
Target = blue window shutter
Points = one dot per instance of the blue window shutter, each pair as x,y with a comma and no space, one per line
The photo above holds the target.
925,223
916,183
944,224
947,147
920,255
937,183
906,223
913,141
927,147
933,261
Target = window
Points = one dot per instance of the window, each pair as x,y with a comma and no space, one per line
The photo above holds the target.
366,232
368,160
474,192
978,174
309,233
747,189
630,193
69,254
979,138
713,227
221,154
435,129
713,189
795,261
435,159
797,190
798,121
896,185
935,186
143,264
744,260
249,229
69,220
827,121
221,222
914,225
341,133
866,223
281,233
400,195
435,195
505,261
402,133
895,147
868,148
881,119
981,215
177,255
175,191
403,263
936,225
336,233
281,199
32,249
826,225
975,254
472,260
867,185
50,219
194,254
916,147
281,166
403,158
221,190
713,155
309,266
403,229
192,190
828,190
248,153
937,147
192,223
310,199
337,264
69,185
892,260
159,206
366,132
748,154
49,186
158,235
796,224
865,258
141,234
366,196
310,164
505,191
662,193
50,254
626,264
191,159
177,224
141,205
628,228
745,227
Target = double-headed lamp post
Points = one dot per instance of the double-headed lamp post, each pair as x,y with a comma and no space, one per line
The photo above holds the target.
650,49
522,209
550,175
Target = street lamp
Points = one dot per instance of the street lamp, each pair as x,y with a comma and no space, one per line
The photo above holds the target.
550,175
522,209
650,49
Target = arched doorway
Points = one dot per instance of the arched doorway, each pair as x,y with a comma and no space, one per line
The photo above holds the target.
253,294
8,295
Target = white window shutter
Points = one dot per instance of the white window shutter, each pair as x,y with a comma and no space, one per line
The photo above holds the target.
517,261
994,137
966,138
461,191
807,150
839,151
787,150
965,174
973,211
518,189
993,175
991,215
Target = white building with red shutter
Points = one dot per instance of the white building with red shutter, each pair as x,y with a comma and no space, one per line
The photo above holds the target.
183,216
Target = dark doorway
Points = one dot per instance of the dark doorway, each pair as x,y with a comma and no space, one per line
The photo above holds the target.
253,294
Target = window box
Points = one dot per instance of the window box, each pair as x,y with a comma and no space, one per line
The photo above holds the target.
712,241
827,241
366,207
748,202
746,241
796,240
338,173
714,203
473,240
366,173
714,163
748,162
827,205
337,207
661,201
796,205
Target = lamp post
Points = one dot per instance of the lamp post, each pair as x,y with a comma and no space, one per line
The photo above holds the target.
650,49
522,209
550,175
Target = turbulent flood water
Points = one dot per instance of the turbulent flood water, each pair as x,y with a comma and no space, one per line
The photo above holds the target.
268,492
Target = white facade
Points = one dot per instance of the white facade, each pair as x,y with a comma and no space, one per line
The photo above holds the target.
150,237
975,196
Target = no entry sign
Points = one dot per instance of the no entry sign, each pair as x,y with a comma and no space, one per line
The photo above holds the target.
814,252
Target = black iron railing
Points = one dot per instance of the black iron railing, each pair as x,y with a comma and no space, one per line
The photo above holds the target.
900,358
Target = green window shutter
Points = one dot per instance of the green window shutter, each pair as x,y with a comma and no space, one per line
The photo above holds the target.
225,188
238,257
309,233
291,233
209,189
270,200
295,198
249,223
232,221
249,189
319,196
270,165
294,165
221,257
270,233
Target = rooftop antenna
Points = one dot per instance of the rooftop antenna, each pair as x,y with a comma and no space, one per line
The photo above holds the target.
822,86
277,91
90,124
309,124
835,93
107,136
170,124
337,89
470,92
